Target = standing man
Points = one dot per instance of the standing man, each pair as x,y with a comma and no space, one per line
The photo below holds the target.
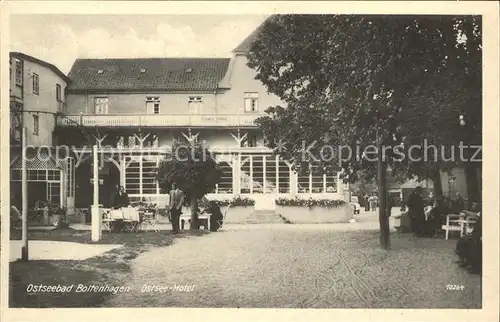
459,203
367,202
176,201
416,211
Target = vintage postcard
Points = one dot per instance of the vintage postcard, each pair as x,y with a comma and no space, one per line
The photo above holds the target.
250,160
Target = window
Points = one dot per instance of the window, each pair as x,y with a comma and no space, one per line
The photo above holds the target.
36,84
54,193
251,102
195,104
36,124
316,180
140,175
101,105
153,105
58,92
19,72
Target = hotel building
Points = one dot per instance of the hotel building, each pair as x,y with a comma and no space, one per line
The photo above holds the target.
135,109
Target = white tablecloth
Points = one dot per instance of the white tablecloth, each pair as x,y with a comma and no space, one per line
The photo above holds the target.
129,213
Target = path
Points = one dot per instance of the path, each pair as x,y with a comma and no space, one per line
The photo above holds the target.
294,266
56,250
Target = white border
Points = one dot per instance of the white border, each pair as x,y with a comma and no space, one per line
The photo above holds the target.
489,10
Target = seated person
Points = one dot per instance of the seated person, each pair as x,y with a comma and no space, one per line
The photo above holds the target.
469,249
216,215
121,199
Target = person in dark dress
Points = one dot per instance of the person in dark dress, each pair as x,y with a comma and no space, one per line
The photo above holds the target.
459,203
121,199
216,217
469,248
416,211
390,204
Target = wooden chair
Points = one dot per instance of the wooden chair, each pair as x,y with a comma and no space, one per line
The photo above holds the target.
470,223
221,222
150,220
453,223
106,219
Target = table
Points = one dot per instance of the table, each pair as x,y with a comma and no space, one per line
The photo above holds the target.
129,217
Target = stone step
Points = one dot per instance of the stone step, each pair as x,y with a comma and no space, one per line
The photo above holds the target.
264,217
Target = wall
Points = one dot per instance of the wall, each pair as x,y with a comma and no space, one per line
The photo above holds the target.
242,79
45,101
131,103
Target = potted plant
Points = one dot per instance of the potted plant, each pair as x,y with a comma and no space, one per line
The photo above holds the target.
57,214
311,210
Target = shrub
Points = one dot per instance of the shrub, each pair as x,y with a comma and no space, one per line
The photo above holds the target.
237,201
297,202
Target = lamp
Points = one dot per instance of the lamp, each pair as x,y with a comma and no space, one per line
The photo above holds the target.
462,121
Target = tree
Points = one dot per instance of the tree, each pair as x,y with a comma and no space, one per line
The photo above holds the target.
194,168
367,81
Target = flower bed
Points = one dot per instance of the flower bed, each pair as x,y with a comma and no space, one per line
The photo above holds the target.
235,202
313,211
238,209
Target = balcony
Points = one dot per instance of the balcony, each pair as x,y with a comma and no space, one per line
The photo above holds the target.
159,120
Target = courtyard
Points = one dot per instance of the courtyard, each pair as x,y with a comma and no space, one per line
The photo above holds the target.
257,266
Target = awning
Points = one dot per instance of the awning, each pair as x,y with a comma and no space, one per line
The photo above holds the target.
36,160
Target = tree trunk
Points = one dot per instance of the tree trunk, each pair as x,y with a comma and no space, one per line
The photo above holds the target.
473,188
193,203
438,185
382,196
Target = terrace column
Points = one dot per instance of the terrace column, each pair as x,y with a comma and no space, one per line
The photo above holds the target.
96,213
236,174
293,182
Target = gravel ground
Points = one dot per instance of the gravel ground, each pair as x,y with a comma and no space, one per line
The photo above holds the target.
300,266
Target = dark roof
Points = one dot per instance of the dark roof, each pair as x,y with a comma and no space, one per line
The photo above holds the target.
246,44
158,74
40,62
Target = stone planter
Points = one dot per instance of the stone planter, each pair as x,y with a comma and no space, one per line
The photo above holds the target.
315,215
238,214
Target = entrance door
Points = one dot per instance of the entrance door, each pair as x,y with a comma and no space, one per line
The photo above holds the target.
36,191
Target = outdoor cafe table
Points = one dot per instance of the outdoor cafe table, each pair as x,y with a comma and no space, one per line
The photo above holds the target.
130,217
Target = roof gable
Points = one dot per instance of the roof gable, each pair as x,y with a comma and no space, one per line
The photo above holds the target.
247,43
147,74
40,62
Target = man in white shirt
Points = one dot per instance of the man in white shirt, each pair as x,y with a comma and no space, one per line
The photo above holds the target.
175,209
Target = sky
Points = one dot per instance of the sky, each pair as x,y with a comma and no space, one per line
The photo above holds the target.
60,39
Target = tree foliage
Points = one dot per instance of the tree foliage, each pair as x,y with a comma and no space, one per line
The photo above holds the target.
192,167
348,80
